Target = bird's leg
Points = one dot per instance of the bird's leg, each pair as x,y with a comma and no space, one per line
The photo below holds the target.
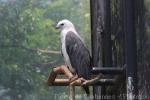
82,79
73,78
78,81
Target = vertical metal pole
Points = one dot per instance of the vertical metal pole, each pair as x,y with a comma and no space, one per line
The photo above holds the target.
130,49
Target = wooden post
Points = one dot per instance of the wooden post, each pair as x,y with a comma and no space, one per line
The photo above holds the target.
130,49
97,23
100,28
71,92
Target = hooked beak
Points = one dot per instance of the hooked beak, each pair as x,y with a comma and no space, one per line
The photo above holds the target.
57,27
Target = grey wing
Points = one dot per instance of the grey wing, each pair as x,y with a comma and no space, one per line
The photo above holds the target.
79,55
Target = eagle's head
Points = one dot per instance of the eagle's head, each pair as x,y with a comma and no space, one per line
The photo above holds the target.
64,24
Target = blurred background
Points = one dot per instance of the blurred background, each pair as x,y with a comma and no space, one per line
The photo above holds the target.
30,45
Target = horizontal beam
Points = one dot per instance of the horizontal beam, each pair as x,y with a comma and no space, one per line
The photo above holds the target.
107,70
65,82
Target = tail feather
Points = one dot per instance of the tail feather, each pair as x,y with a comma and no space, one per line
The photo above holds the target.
87,90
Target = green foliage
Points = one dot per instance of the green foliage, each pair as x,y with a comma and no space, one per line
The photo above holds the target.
25,27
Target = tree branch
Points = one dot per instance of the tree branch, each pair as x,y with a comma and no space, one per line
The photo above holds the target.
44,51
48,51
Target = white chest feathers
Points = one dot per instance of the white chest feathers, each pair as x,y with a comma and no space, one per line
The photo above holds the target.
64,51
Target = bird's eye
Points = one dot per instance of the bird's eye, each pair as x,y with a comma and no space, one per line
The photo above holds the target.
62,24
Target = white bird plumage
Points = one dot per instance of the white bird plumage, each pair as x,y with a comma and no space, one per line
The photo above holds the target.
75,53
65,26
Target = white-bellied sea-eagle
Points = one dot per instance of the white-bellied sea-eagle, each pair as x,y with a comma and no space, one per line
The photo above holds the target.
75,53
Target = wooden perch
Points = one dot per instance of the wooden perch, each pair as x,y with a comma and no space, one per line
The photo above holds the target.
63,69
56,71
66,82
52,81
